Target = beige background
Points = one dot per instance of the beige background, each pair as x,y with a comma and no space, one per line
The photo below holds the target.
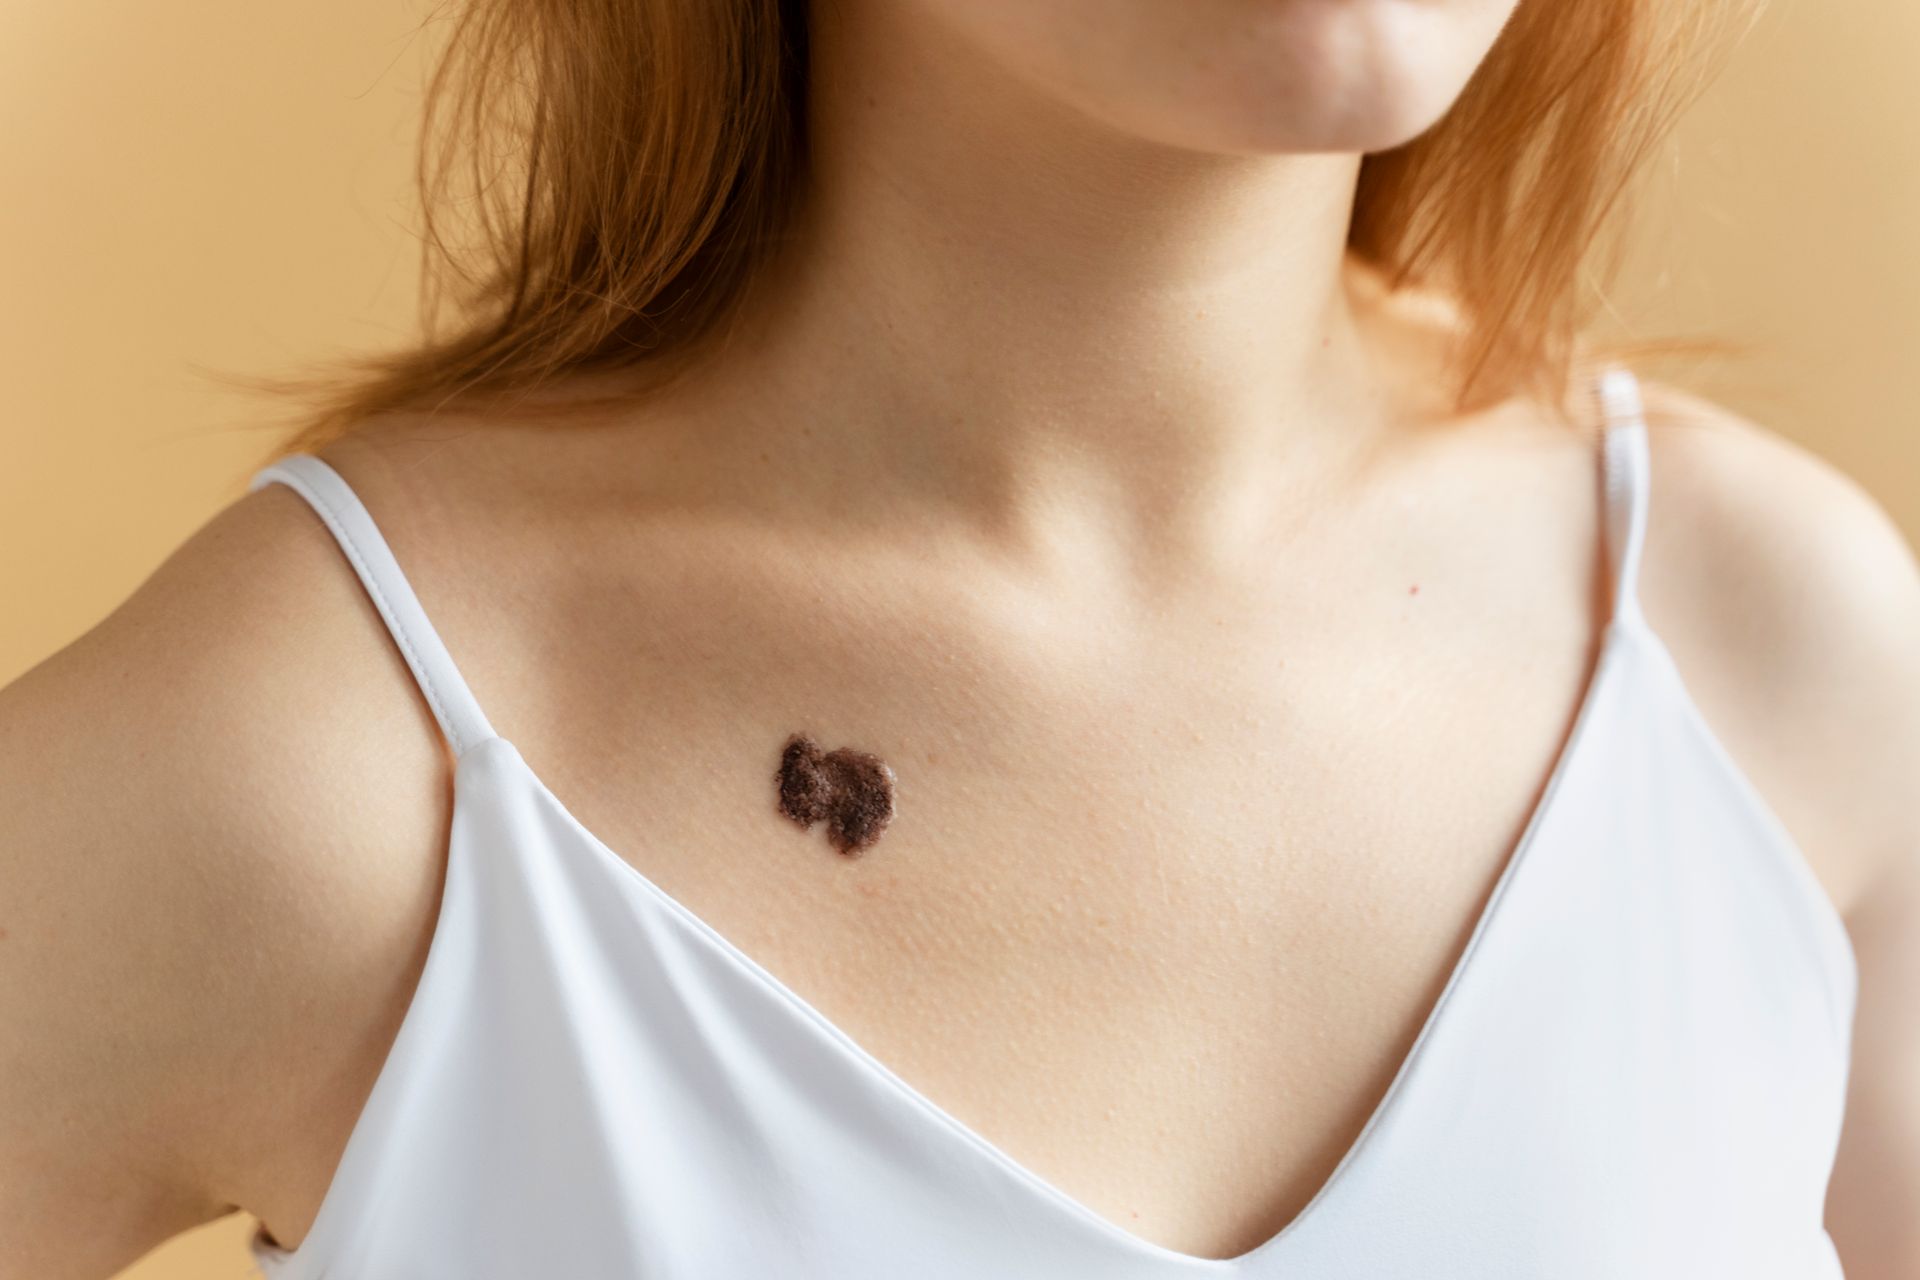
224,185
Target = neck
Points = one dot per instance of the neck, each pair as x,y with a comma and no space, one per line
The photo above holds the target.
999,305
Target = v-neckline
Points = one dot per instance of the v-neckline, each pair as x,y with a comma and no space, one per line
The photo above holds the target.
1614,636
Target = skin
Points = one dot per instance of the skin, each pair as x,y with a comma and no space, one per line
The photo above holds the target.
1064,426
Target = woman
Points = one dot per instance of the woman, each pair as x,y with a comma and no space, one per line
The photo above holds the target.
1130,703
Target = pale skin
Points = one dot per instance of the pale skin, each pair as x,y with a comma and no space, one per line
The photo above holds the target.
1065,468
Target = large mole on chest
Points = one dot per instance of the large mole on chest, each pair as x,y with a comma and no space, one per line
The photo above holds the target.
851,791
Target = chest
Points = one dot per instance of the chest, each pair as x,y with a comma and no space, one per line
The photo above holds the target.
1160,916
1167,904
1627,1072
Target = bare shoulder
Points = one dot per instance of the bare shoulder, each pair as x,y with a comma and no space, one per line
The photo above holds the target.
1791,601
1777,516
217,877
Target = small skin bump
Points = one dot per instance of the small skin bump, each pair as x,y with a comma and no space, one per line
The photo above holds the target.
851,791
1414,590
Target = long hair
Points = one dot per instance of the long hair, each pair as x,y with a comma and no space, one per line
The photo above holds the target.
633,162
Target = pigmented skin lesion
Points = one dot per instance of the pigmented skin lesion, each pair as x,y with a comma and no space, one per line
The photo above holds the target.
851,791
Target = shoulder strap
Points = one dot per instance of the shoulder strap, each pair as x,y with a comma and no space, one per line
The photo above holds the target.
328,493
1625,470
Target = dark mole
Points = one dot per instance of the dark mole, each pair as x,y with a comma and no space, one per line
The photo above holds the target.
851,790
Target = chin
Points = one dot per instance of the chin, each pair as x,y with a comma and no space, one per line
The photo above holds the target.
1246,76
1326,75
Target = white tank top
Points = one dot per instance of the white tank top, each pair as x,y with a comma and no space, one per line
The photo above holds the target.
1636,1068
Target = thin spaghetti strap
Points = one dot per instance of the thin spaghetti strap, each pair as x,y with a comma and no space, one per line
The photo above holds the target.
352,526
1626,472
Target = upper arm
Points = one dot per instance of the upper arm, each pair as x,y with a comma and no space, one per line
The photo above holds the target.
1873,1208
204,944
1807,597
105,994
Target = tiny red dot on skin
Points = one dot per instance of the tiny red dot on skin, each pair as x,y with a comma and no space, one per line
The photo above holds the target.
1414,590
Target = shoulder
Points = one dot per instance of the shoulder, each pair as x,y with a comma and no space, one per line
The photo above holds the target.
224,805
1775,512
1791,601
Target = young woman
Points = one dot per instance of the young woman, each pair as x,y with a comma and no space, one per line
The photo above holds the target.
1010,639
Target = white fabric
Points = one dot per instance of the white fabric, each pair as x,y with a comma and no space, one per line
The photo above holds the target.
1636,1070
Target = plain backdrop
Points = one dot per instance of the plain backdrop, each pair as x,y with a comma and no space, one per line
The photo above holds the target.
226,185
